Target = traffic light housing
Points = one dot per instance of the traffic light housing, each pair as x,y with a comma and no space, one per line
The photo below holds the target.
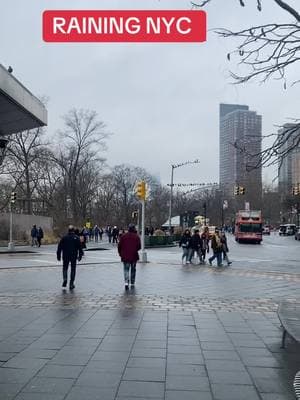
134,214
141,190
13,197
296,190
239,190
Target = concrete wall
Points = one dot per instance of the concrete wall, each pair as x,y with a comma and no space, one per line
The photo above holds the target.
24,222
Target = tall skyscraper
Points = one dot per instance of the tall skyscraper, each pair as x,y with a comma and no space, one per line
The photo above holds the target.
289,166
239,125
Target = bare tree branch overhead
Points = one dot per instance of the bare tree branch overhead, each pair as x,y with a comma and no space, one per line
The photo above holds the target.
267,51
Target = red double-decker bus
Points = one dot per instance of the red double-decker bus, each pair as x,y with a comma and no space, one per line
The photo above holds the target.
248,226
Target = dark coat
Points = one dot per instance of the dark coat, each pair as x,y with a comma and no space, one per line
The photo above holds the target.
34,232
184,240
40,233
70,247
216,244
195,243
128,247
224,243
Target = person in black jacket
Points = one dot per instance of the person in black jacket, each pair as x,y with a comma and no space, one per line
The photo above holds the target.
71,250
184,243
195,245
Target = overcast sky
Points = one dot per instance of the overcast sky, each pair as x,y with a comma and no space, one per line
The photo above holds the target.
160,100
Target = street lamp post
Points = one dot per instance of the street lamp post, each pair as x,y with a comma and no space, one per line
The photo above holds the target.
174,166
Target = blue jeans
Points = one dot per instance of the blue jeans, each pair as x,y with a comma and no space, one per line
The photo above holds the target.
129,267
218,256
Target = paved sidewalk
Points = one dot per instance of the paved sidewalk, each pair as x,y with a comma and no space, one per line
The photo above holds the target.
183,333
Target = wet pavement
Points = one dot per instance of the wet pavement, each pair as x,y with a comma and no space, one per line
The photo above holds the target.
185,332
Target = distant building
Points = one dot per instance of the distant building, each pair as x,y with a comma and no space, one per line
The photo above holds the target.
239,125
289,167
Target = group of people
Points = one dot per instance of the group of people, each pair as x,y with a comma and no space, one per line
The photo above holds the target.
37,234
198,243
70,249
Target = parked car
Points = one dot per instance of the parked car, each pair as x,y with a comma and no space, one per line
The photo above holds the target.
297,234
266,230
287,230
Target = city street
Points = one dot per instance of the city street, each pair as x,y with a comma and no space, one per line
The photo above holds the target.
185,332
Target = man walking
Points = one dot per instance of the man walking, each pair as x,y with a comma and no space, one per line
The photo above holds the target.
40,236
128,248
195,246
71,250
34,234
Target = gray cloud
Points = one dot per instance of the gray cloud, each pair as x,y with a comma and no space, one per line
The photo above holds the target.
160,100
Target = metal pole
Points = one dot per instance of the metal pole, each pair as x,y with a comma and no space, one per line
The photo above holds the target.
144,254
11,245
171,199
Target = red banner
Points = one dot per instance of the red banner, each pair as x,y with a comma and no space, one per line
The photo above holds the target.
124,26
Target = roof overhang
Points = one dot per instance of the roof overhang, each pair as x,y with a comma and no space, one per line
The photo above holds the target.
20,110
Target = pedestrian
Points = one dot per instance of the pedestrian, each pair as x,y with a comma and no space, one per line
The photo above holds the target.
184,243
71,250
225,249
101,234
195,246
128,248
217,249
96,233
109,233
205,243
40,236
34,234
115,234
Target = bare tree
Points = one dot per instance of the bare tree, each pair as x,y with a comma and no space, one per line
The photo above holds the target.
83,139
267,51
24,153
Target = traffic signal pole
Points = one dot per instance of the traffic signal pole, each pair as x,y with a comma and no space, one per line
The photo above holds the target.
143,252
11,246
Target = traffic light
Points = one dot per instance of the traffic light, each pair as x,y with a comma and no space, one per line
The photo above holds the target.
239,190
236,190
141,190
134,214
242,190
13,197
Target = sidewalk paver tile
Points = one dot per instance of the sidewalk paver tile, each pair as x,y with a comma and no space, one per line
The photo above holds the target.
93,393
144,374
187,395
60,371
234,392
99,379
196,383
142,389
49,385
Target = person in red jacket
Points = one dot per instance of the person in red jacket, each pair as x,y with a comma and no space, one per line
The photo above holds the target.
128,248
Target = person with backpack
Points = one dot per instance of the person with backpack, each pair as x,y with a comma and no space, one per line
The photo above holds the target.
217,248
